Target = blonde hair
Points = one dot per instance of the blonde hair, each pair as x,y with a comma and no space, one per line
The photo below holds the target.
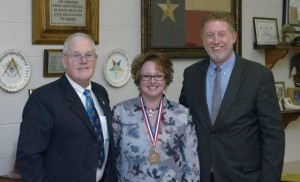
221,16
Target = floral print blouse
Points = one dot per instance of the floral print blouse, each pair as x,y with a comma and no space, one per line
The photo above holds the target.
176,144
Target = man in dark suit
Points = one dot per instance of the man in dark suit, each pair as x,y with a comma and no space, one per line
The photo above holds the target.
245,143
57,141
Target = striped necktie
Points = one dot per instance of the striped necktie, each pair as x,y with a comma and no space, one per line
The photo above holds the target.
94,118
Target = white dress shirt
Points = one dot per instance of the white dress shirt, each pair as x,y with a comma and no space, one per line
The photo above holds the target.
79,90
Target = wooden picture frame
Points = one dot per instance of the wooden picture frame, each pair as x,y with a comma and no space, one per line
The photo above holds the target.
54,20
52,63
290,13
280,90
294,95
266,31
163,37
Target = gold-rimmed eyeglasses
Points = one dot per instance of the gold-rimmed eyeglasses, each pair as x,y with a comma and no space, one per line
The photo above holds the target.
156,77
78,57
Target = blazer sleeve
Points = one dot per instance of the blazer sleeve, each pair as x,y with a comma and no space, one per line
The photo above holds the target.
182,98
272,131
35,130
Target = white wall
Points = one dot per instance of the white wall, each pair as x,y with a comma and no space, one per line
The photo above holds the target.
120,28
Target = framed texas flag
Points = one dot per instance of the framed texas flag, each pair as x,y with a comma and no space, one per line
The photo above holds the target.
173,26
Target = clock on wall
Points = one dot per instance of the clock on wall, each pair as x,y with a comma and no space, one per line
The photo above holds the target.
117,67
14,70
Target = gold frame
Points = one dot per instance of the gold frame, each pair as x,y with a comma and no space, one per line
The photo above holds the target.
294,93
181,52
44,33
47,54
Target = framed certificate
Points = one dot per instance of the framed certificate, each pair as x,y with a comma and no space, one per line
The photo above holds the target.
54,20
52,63
266,31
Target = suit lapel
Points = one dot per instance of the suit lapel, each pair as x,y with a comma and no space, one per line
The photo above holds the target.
232,90
75,103
200,82
104,104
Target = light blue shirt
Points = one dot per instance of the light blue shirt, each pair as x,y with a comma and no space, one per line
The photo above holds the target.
226,70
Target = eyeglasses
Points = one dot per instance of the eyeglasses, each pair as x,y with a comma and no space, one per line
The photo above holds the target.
156,77
78,57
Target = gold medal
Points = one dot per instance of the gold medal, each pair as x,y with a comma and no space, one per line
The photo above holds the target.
154,158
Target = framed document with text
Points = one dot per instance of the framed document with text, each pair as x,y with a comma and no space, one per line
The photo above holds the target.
54,20
266,31
52,63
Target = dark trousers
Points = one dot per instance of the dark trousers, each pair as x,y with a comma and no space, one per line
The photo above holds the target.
212,179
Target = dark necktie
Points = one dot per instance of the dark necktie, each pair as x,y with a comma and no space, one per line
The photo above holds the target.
216,96
94,118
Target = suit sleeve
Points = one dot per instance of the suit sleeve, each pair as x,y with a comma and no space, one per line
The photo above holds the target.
272,131
35,130
182,98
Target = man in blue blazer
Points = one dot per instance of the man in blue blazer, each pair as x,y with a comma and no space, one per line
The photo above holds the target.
57,141
245,143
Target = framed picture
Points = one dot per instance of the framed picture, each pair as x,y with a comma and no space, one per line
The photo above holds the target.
280,90
52,63
266,31
294,95
291,8
173,27
54,20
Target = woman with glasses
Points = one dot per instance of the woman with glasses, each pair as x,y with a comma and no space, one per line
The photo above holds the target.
155,137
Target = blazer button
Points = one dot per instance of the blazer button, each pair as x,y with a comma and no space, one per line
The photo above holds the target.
94,169
95,146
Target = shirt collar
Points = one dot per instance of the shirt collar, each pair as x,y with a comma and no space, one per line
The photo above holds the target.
77,87
224,67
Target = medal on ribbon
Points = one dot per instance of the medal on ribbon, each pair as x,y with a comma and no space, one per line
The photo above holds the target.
154,157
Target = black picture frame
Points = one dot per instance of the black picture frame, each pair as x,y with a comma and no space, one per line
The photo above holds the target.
289,14
186,51
266,31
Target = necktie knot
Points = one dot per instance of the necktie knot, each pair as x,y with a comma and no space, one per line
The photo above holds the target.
218,69
87,93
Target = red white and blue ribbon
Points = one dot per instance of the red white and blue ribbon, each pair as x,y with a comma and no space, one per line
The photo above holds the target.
153,134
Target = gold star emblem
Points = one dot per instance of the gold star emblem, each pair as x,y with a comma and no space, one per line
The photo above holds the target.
168,9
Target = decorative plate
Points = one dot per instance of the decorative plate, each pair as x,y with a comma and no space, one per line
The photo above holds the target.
14,70
117,67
